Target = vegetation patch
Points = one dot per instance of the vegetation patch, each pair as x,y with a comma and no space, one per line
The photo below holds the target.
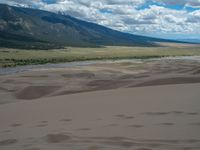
18,57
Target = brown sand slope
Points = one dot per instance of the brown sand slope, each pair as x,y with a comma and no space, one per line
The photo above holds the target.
146,118
40,83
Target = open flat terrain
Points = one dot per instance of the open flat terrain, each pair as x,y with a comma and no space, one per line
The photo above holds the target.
63,79
145,118
121,108
16,57
135,104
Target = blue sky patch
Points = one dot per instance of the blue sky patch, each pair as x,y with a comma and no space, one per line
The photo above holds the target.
106,11
49,1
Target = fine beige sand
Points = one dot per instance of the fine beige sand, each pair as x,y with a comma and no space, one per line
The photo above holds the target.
144,118
120,105
49,82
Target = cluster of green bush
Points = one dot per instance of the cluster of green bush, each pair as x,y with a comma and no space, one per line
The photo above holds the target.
18,57
4,63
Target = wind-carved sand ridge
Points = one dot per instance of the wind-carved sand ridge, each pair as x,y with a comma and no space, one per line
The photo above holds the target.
39,83
122,105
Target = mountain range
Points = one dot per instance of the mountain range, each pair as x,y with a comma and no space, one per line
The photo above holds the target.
197,41
37,29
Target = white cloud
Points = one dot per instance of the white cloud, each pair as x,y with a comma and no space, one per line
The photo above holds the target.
185,3
125,15
24,3
194,17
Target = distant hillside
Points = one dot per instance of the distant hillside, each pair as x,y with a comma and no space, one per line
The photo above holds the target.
190,40
37,29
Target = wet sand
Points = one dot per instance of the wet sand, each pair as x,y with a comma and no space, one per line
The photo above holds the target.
136,105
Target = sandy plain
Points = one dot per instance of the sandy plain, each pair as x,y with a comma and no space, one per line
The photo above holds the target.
137,105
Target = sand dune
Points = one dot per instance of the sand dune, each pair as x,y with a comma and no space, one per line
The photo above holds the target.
165,117
39,83
33,92
139,105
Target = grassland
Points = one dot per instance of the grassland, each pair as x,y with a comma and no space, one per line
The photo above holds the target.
16,57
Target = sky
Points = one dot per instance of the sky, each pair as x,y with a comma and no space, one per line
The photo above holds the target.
172,19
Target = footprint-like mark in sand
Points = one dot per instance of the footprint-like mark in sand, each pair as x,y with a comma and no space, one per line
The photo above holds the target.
143,149
156,113
43,121
129,117
34,148
42,124
16,125
122,116
167,124
195,124
136,126
6,131
192,113
170,113
8,142
57,138
66,120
